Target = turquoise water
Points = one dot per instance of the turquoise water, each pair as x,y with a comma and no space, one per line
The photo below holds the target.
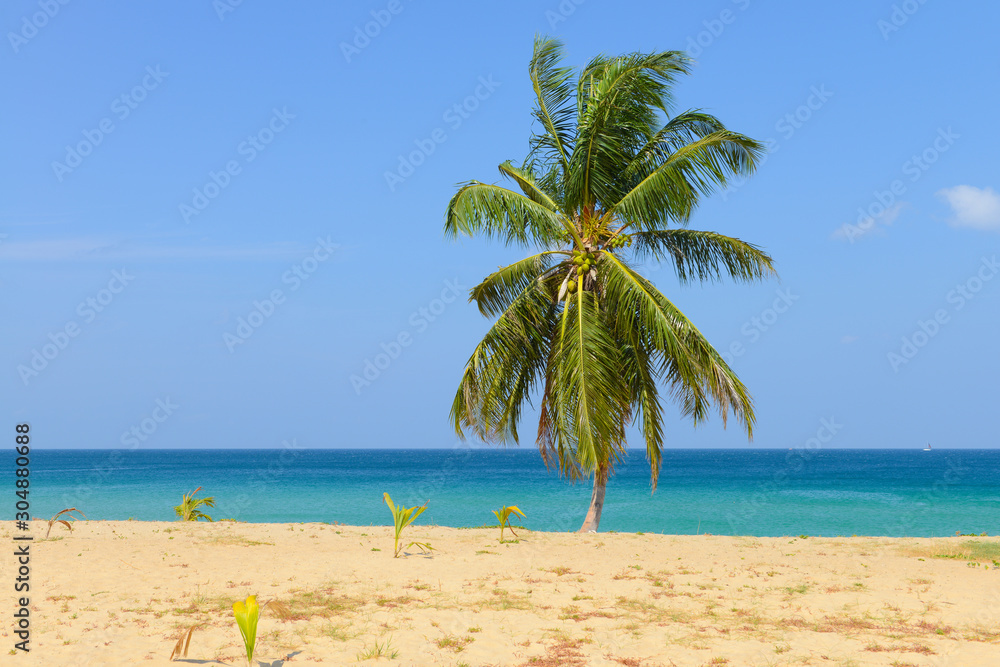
723,492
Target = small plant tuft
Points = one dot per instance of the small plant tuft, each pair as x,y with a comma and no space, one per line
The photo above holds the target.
403,517
503,516
188,509
68,513
379,650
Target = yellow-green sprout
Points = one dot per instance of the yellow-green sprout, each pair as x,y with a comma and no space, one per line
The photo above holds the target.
188,509
503,516
403,517
247,613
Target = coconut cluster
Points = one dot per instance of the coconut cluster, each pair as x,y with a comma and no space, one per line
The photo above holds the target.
619,241
584,262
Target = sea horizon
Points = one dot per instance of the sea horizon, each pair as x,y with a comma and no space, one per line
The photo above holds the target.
753,491
529,448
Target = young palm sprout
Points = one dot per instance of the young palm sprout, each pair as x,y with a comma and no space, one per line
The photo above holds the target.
189,510
403,517
503,516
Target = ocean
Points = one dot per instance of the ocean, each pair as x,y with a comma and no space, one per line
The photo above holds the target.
723,492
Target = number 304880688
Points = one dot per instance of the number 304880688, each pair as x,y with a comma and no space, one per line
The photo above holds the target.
22,472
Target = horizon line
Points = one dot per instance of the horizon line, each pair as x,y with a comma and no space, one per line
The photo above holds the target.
496,449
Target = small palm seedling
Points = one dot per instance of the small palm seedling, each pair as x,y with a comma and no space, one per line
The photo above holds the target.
188,509
503,516
403,517
247,613
68,513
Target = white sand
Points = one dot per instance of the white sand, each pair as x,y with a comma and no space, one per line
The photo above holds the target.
122,592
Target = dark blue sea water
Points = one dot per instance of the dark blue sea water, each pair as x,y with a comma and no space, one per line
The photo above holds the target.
723,492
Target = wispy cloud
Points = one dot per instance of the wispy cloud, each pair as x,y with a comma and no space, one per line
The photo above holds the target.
104,249
847,340
891,213
973,207
17,220
867,224
29,223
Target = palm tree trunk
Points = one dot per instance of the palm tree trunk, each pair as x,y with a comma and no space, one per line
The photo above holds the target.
593,519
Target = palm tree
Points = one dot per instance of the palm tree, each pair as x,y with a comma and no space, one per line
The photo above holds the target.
188,509
578,327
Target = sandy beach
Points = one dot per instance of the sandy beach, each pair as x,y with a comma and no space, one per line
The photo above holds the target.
122,592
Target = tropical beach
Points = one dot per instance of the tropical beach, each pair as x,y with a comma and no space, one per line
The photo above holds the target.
723,400
124,592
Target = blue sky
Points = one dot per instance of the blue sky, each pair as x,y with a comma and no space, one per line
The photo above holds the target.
199,242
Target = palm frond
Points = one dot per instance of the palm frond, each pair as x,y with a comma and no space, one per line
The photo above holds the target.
504,367
553,86
670,191
525,179
698,255
592,401
496,212
678,132
495,294
694,370
645,79
639,372
617,100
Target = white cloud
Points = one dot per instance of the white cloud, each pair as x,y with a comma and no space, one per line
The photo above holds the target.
973,207
847,340
891,213
866,223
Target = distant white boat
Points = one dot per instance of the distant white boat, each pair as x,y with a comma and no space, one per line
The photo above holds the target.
928,447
